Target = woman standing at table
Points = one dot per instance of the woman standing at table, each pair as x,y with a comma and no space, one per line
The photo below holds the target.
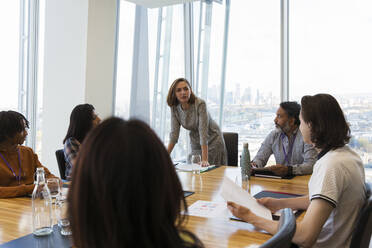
126,192
191,112
82,119
336,187
17,163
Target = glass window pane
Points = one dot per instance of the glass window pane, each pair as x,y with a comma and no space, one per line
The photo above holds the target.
9,50
124,58
208,50
252,92
167,62
332,54
40,78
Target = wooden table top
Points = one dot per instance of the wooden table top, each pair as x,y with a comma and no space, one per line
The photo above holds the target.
16,213
224,232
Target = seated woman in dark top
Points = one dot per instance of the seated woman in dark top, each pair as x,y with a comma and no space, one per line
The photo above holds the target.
17,163
126,192
82,120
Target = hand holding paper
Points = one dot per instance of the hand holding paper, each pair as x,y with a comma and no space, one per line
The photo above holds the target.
233,193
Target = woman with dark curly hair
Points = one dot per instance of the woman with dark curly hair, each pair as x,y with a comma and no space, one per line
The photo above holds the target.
336,187
126,192
18,163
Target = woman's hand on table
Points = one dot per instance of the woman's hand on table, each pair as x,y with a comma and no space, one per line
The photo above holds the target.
204,163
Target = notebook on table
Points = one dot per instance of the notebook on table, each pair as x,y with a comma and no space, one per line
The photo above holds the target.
277,195
265,172
187,193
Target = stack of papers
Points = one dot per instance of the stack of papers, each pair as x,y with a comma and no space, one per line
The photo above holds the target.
193,167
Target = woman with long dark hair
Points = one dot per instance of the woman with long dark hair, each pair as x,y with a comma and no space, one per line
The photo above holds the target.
125,191
336,187
82,119
191,113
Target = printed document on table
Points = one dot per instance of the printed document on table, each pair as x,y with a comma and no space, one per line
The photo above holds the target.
232,192
209,209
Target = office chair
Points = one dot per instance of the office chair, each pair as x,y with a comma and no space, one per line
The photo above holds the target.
287,228
61,163
363,229
231,142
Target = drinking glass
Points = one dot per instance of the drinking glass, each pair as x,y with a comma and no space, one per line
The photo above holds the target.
55,191
63,221
196,164
54,188
246,183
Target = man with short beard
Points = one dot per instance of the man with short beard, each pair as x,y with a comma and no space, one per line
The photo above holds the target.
292,155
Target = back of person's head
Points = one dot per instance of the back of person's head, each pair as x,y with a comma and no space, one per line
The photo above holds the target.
126,192
81,122
11,123
329,129
293,110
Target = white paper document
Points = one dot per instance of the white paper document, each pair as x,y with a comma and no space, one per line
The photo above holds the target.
193,167
209,209
232,192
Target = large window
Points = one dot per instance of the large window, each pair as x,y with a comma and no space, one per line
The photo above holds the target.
22,27
167,62
252,91
165,46
332,53
124,58
10,53
239,55
40,77
209,26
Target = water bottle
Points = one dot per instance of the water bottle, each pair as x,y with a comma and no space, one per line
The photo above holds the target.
41,206
245,161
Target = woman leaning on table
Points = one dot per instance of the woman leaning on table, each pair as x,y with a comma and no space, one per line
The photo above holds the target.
17,163
190,112
126,192
336,187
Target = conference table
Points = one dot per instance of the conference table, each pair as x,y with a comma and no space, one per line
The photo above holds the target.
16,213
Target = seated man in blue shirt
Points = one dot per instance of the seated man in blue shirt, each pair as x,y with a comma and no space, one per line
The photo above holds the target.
292,155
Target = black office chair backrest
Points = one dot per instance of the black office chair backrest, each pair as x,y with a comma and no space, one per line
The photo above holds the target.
286,230
363,229
231,142
61,163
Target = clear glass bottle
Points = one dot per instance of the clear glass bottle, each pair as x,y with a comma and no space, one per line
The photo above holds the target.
41,206
245,161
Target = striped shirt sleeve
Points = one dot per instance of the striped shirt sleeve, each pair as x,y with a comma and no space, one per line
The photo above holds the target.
327,184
